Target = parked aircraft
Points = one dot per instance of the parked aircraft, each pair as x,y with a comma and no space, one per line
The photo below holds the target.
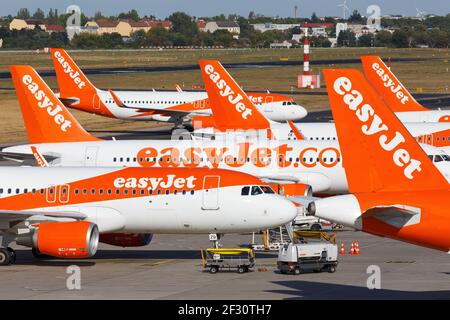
395,191
76,91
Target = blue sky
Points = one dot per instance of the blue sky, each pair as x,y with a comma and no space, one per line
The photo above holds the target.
282,8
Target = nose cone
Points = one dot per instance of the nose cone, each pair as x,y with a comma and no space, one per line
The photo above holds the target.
298,112
281,211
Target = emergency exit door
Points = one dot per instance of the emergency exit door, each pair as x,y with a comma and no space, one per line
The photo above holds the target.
211,193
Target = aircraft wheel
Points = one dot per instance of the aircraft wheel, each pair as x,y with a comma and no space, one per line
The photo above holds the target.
12,255
213,269
5,257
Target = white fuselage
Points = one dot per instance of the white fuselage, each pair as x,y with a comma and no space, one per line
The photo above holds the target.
195,100
316,163
94,192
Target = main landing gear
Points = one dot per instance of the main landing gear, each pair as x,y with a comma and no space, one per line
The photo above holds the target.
7,256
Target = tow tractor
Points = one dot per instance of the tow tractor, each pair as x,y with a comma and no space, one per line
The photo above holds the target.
311,251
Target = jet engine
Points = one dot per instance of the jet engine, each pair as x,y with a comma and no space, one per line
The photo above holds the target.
78,239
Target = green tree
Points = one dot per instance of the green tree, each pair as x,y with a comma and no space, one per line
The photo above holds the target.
365,40
131,15
383,38
314,17
183,23
400,38
355,17
39,14
23,13
438,39
346,38
222,38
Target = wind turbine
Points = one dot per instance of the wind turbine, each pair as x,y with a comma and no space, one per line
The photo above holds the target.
420,14
344,8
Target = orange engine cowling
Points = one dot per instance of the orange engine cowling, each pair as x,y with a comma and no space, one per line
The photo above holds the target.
295,189
78,239
199,122
126,239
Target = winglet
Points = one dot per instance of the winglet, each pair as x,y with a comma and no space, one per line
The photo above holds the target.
378,153
116,99
231,107
295,130
40,160
46,118
388,86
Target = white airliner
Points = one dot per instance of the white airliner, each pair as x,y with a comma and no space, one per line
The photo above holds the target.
229,120
180,107
61,141
65,212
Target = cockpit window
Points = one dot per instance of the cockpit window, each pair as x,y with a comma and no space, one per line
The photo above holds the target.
438,158
267,189
445,157
256,190
245,191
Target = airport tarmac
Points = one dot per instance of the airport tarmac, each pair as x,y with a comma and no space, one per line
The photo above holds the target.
170,268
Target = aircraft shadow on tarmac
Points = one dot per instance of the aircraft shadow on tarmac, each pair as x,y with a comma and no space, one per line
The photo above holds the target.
316,290
24,257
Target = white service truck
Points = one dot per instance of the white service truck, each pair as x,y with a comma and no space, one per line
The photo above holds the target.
314,256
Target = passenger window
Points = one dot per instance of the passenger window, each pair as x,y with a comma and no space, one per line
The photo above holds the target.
245,191
256,191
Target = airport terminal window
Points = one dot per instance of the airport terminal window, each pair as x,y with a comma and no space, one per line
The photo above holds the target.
245,191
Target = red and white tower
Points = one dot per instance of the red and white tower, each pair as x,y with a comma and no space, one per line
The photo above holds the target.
306,53
307,80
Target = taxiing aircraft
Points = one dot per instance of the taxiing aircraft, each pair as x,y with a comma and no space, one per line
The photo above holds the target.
180,107
396,191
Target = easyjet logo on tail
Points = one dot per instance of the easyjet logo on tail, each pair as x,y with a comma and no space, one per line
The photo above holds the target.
44,102
373,125
74,75
226,91
396,89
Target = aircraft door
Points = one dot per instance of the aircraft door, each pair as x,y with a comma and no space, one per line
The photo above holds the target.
268,105
50,194
210,196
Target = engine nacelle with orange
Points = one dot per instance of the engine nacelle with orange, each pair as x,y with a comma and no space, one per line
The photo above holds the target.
78,239
294,189
200,122
126,239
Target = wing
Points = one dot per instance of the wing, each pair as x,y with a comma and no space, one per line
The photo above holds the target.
14,215
25,158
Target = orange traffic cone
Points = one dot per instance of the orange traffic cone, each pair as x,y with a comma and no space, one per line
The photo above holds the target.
352,248
357,247
342,249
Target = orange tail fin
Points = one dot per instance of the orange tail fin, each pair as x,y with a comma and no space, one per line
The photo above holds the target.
379,154
232,109
72,81
46,119
388,86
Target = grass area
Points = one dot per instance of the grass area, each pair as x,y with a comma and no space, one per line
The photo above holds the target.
428,76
